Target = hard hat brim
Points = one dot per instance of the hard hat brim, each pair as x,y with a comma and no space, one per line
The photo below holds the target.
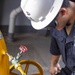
50,16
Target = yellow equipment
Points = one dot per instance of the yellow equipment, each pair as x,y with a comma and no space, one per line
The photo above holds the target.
4,61
6,69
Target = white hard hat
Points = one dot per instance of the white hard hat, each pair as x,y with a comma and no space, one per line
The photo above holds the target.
41,12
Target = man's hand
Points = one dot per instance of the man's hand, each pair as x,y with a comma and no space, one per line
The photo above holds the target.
55,69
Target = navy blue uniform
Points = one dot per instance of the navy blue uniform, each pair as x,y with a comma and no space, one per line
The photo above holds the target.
63,44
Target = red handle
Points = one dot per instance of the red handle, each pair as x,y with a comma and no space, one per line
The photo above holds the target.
23,48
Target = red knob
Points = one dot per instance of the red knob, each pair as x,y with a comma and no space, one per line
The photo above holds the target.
23,48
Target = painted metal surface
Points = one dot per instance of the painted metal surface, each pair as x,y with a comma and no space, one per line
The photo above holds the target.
4,62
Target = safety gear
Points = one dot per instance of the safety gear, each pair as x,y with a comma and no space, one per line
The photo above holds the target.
41,12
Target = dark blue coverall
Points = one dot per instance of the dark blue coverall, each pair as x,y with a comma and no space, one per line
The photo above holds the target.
63,44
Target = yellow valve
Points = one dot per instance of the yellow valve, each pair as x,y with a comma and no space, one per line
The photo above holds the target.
4,61
20,69
6,69
16,65
26,64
